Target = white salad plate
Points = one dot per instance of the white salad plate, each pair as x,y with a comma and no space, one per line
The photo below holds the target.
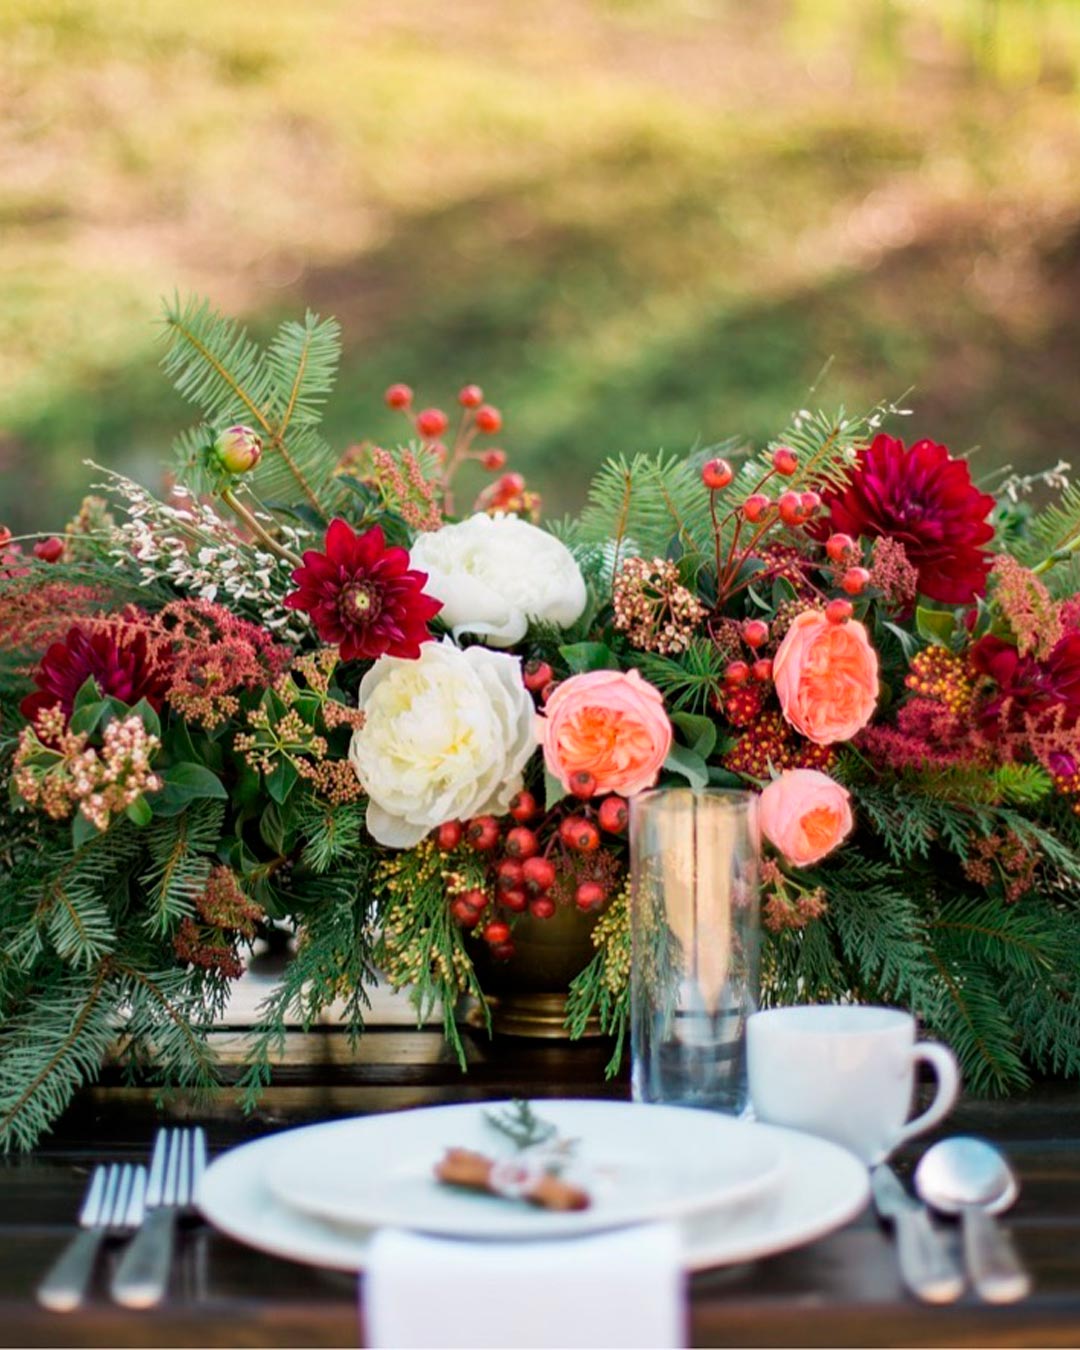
636,1163
818,1188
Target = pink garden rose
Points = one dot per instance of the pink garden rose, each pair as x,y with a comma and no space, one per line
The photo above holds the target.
804,814
609,723
826,677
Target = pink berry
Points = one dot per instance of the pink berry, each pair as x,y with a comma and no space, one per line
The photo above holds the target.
496,932
49,550
464,914
583,784
523,807
543,907
839,610
790,507
855,580
493,460
449,835
536,675
839,546
482,832
432,422
811,501
755,632
502,951
471,396
613,815
717,474
736,672
398,396
516,901
539,874
522,843
509,874
762,670
580,834
589,895
785,461
489,419
755,507
476,899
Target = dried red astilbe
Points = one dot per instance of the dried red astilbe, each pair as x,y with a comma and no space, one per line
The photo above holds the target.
927,735
1026,606
32,617
214,655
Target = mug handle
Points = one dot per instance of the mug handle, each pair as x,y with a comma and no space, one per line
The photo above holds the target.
942,1060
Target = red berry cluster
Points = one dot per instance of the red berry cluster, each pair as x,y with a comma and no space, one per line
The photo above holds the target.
431,425
523,871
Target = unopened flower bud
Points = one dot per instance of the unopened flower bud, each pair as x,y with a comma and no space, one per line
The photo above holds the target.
238,449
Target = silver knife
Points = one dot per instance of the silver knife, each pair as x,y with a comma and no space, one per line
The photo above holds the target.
927,1264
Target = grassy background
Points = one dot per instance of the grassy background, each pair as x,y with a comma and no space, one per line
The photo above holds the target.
635,222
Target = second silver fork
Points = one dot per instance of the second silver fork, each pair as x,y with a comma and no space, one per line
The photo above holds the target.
179,1159
113,1205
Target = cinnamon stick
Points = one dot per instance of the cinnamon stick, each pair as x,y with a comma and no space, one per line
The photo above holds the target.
473,1171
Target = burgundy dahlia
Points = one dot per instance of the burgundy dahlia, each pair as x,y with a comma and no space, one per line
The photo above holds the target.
363,596
1025,687
117,655
925,499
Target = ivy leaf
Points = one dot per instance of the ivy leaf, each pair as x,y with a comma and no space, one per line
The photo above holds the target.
282,781
585,656
699,732
689,765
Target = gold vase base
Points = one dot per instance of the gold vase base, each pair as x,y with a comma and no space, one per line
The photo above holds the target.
536,1016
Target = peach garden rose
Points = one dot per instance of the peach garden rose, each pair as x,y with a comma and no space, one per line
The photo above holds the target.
805,814
826,677
609,723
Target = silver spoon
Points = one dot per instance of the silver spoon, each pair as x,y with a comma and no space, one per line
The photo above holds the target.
969,1177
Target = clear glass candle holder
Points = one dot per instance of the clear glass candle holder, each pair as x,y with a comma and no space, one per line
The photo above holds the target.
695,930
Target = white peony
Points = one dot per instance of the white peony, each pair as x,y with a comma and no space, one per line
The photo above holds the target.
495,573
445,737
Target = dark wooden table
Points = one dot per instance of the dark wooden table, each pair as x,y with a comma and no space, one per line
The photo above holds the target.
841,1291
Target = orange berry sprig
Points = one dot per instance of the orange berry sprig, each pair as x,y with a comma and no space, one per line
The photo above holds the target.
431,424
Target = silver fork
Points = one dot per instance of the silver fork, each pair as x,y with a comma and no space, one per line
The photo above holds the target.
113,1204
178,1162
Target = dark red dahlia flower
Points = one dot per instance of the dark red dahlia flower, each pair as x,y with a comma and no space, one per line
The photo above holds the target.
924,498
1025,687
363,596
119,657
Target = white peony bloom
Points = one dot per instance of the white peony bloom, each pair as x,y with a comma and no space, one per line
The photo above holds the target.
495,573
445,737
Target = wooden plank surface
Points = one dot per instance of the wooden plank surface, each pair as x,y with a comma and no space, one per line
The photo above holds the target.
841,1291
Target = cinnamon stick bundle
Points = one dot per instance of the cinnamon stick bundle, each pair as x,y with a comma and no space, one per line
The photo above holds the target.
475,1172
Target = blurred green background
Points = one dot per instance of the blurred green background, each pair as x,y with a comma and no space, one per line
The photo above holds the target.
635,222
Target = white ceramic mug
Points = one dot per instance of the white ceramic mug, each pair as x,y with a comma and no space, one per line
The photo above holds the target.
845,1072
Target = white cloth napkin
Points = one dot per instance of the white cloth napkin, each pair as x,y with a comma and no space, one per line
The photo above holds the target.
623,1289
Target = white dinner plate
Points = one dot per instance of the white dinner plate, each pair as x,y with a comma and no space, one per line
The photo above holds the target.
636,1162
821,1188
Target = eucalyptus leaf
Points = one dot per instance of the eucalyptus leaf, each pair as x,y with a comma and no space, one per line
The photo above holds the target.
689,765
585,656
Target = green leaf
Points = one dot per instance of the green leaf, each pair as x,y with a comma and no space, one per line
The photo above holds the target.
724,778
282,781
139,812
909,643
88,693
150,720
699,732
185,783
935,625
585,656
553,789
82,830
689,765
86,719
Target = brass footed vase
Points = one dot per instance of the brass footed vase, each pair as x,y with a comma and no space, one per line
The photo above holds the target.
527,993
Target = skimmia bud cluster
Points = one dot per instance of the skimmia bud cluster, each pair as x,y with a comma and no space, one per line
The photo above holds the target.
59,772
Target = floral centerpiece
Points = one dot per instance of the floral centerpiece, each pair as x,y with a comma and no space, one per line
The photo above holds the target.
306,688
